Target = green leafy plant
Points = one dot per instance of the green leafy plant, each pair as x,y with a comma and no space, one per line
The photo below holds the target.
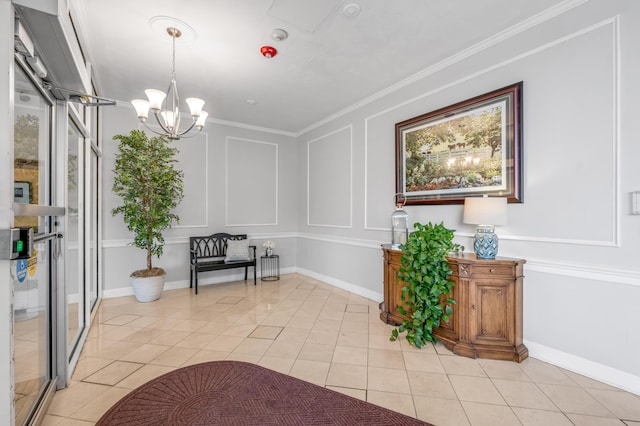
150,187
426,273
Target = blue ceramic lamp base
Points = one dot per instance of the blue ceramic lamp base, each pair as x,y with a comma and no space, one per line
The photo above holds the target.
485,242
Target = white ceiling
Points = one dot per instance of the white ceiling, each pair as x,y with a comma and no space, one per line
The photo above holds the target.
329,62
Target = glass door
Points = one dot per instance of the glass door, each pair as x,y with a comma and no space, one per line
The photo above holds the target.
34,279
74,237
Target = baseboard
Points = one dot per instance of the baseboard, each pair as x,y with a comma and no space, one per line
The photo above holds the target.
594,370
355,289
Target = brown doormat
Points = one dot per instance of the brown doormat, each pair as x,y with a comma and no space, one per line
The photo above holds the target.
239,393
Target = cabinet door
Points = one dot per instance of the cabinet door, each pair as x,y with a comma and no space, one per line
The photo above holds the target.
492,312
396,285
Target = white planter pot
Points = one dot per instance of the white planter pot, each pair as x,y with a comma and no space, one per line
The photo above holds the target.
147,289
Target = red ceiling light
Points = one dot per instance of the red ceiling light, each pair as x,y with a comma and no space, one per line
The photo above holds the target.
268,51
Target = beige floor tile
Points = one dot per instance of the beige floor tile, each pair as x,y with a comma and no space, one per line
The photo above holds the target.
462,366
533,417
425,362
582,420
281,365
524,394
316,352
386,359
329,324
350,355
168,337
541,372
253,346
622,404
206,355
285,349
266,332
377,341
323,337
431,384
359,327
360,394
145,353
353,338
175,356
489,415
587,383
93,410
476,389
224,343
143,375
50,420
71,399
196,340
88,366
121,319
383,379
113,373
358,308
440,412
238,356
575,400
294,334
108,349
347,376
239,330
400,403
507,370
310,371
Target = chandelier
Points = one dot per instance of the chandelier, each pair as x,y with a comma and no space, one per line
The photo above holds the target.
166,106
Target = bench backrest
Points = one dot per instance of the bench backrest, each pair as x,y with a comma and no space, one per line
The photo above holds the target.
214,245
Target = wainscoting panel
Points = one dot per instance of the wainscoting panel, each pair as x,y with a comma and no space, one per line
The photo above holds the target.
330,179
251,182
566,172
192,159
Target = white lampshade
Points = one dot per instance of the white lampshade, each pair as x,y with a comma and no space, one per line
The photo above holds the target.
202,119
485,210
142,108
155,98
195,105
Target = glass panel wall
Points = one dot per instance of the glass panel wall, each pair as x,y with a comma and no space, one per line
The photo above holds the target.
33,352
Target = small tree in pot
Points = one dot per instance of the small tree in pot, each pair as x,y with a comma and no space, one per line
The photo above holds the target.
150,187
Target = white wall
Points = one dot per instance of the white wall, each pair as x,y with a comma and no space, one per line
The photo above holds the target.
582,284
237,179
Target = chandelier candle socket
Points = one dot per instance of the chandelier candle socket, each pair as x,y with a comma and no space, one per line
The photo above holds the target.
166,106
486,212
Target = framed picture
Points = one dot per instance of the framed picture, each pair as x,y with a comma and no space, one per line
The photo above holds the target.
467,149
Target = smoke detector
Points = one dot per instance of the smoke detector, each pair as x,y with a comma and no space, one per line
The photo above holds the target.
279,34
351,10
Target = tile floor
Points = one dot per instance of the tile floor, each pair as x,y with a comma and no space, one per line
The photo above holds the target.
316,332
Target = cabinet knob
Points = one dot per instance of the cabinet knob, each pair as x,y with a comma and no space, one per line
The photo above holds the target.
492,270
473,307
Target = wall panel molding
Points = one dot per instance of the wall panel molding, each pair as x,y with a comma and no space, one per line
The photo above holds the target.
613,23
328,171
266,193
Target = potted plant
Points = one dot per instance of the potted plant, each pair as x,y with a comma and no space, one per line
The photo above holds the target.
426,273
150,188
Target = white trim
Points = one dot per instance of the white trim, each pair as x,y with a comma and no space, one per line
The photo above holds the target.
605,274
614,21
603,373
206,188
350,225
343,241
531,22
226,181
352,288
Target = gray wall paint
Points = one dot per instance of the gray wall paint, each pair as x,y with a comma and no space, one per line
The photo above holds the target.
582,284
582,279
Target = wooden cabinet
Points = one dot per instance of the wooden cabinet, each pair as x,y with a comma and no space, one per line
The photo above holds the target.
487,316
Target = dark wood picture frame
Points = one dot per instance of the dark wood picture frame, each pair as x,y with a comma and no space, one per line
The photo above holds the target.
470,148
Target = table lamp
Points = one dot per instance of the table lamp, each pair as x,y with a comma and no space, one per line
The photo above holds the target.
486,212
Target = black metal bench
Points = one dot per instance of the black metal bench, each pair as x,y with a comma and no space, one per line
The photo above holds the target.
209,253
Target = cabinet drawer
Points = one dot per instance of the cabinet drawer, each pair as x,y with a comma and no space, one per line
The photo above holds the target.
493,270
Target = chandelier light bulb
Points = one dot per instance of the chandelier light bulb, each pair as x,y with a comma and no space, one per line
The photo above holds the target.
166,106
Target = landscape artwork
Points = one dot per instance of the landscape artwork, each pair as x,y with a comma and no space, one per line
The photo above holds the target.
470,148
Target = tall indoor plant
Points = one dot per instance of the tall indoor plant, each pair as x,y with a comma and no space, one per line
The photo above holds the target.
150,188
425,273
